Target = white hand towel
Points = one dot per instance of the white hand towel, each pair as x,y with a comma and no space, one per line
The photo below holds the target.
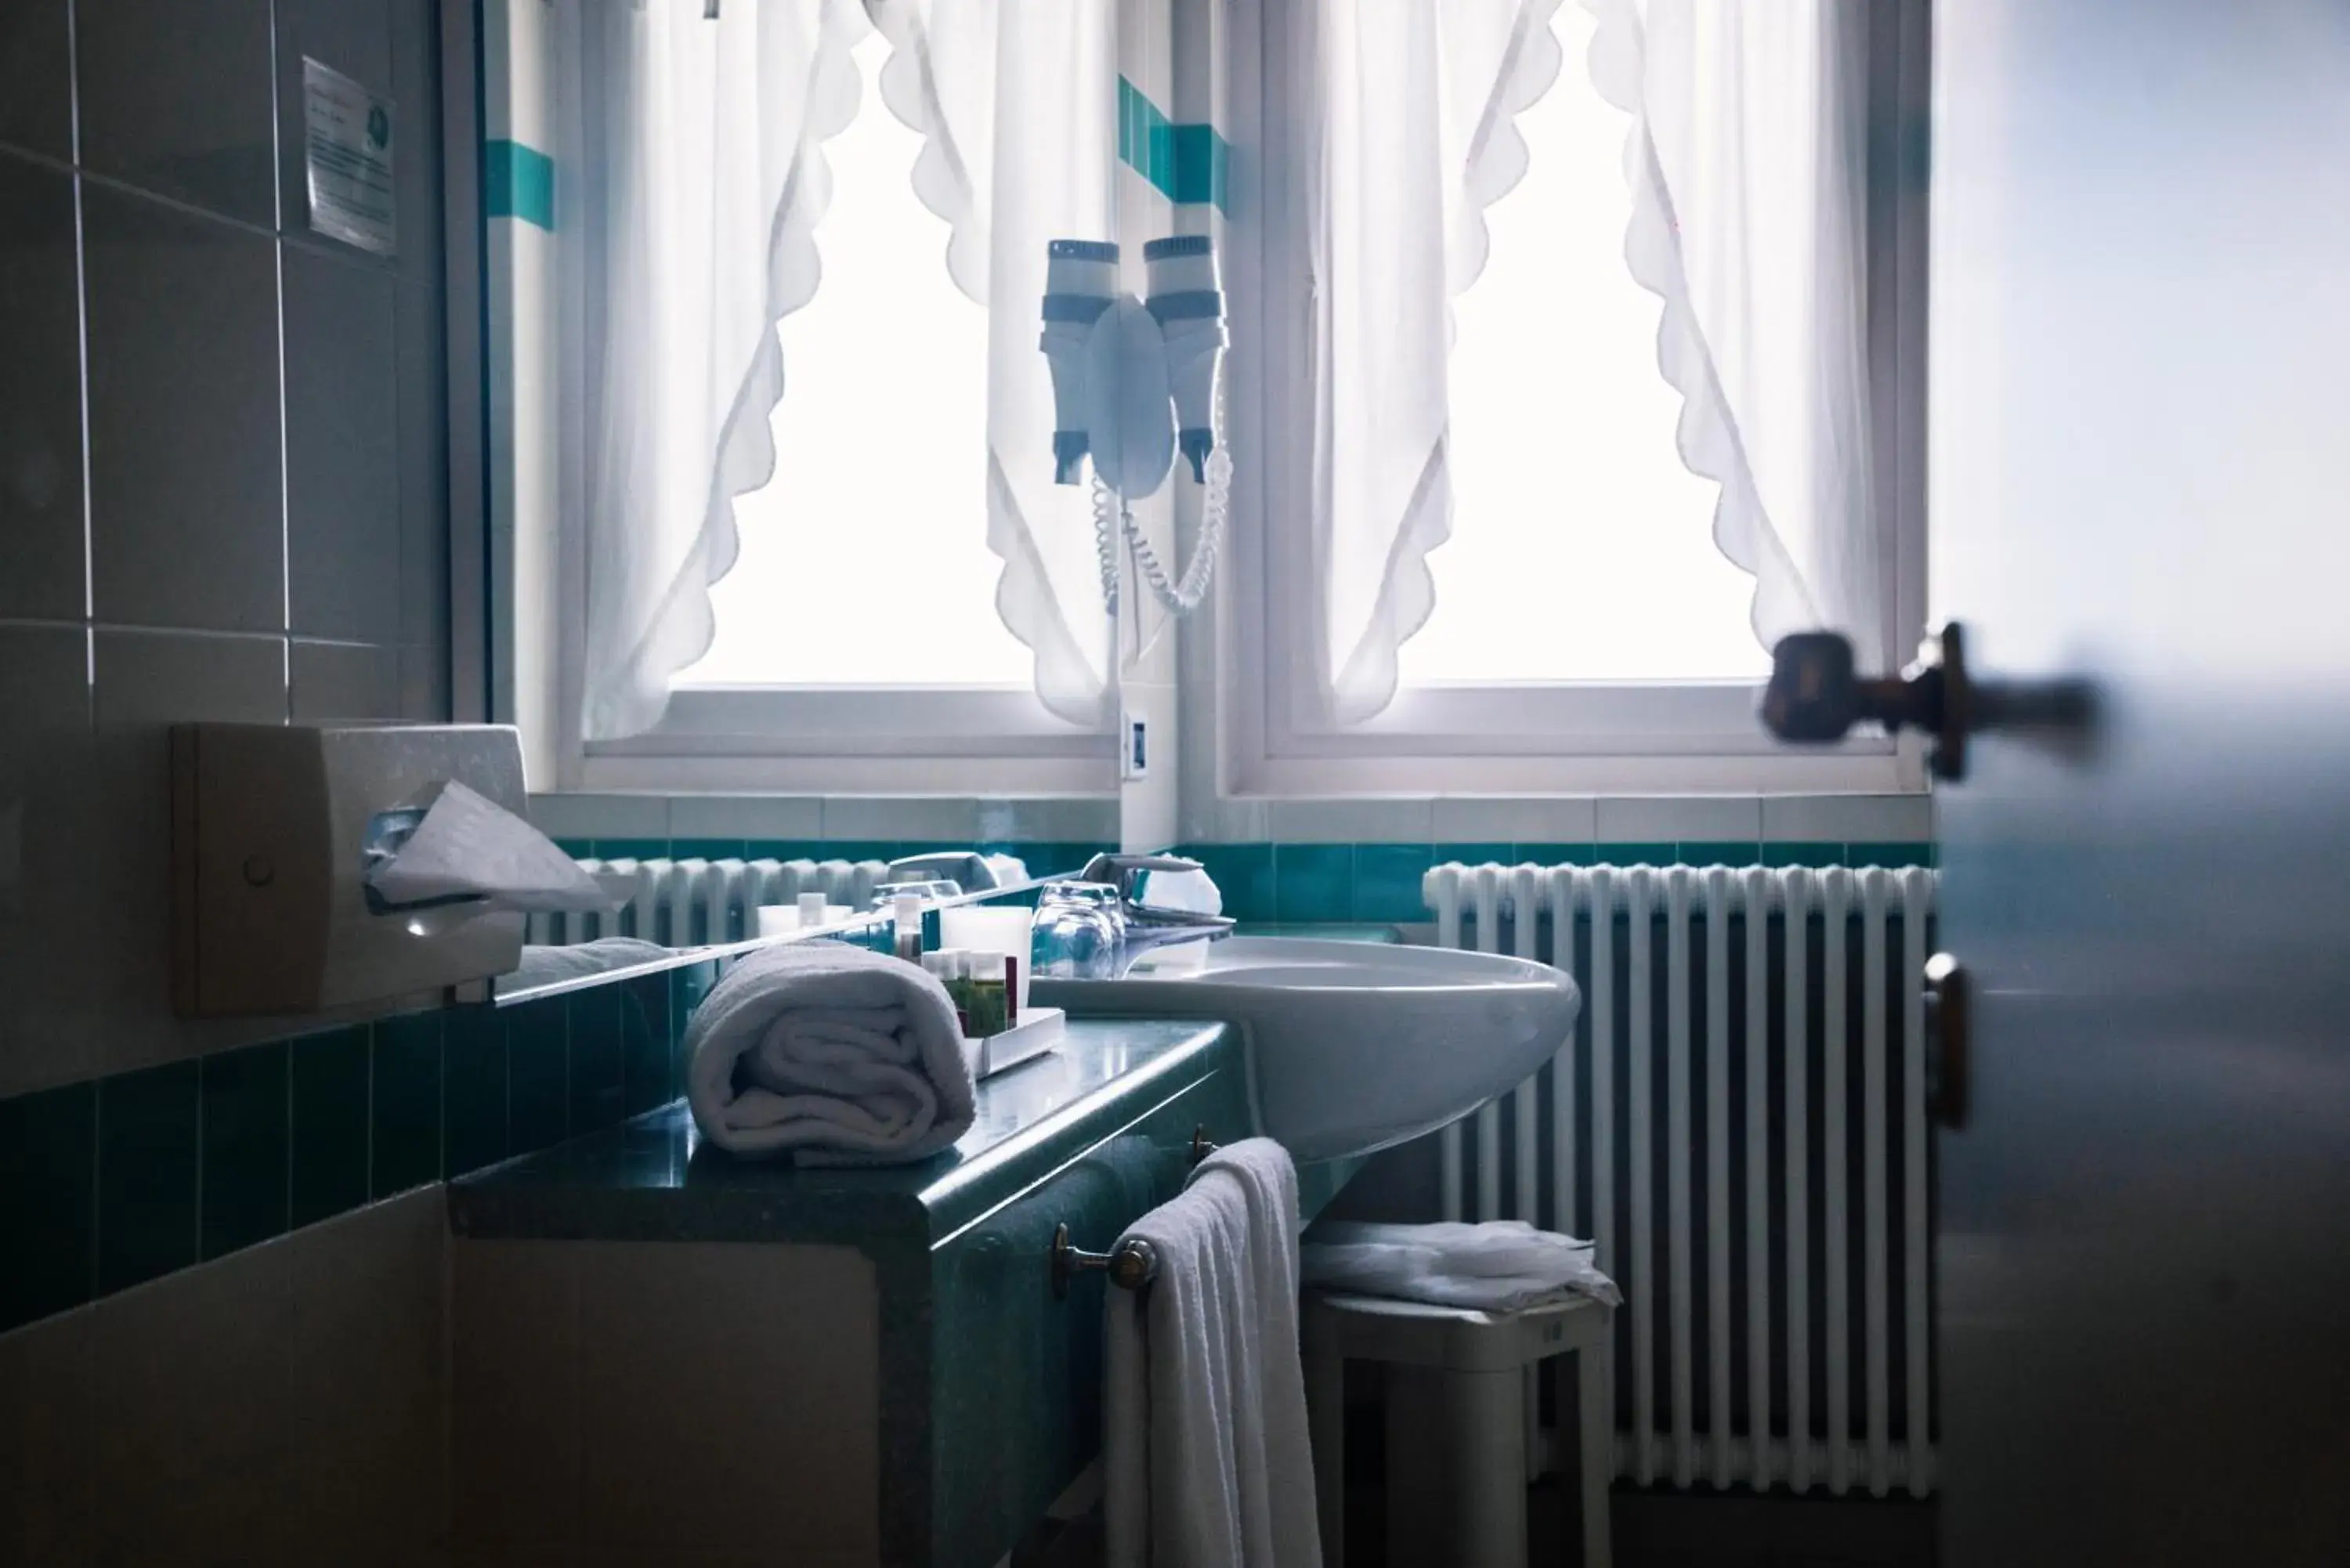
1205,1462
828,1053
1501,1265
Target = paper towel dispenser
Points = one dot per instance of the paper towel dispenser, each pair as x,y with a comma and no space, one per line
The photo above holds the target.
274,830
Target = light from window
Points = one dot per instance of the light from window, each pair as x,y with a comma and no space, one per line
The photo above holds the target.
1580,549
865,560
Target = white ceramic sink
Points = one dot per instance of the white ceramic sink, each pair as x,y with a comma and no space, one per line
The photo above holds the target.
1352,1046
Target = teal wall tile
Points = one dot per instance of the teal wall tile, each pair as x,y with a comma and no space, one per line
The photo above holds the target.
1555,853
1814,855
780,849
1202,165
244,1147
1635,854
577,848
592,1028
1243,874
1388,881
474,1079
48,1173
706,848
1476,853
329,1124
1720,852
538,1070
406,1105
1313,882
648,1067
631,848
517,182
1890,855
147,1161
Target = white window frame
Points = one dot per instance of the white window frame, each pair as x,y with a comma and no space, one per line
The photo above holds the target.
1533,737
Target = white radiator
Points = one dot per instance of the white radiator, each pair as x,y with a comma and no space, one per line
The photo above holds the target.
681,903
1769,1227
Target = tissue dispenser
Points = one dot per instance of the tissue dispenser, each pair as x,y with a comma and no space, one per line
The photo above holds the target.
271,831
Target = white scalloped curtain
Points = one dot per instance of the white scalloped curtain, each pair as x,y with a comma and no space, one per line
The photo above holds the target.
1744,161
710,190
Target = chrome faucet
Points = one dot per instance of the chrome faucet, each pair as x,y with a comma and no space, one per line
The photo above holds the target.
1150,924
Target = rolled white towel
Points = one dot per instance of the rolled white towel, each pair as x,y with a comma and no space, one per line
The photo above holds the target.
1501,1265
830,1054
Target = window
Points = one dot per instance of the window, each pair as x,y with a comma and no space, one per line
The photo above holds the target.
858,645
1581,484
887,353
1587,634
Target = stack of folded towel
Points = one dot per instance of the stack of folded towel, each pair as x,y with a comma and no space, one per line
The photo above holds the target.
830,1055
1501,1265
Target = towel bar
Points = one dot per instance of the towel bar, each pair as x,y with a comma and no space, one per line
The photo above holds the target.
1132,1263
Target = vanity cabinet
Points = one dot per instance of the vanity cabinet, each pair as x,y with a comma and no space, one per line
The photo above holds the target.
665,1354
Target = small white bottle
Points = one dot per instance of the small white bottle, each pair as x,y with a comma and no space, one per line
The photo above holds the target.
908,918
811,909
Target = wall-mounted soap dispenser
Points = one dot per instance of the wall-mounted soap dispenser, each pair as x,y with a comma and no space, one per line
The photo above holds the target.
273,830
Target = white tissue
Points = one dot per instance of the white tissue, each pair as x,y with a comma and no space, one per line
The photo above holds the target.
469,844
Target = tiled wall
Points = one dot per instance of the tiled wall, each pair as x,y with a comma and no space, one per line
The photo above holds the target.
223,482
224,496
1335,860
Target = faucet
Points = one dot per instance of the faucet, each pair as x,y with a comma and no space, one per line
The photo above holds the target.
1149,924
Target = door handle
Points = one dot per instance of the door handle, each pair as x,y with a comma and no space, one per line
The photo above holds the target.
1815,697
1949,1023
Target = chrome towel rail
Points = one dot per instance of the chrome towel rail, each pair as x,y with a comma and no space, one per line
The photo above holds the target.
1132,1263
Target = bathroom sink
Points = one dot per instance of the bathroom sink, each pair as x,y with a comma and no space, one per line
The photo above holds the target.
1352,1046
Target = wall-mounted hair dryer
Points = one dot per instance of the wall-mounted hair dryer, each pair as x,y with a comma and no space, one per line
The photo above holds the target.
1134,383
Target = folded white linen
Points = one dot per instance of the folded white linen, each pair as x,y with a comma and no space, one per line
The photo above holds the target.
830,1054
1499,1265
1205,1462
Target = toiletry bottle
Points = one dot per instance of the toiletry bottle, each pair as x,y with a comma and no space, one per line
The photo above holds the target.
990,995
811,909
951,967
910,927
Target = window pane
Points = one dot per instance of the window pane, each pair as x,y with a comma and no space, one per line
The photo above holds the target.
865,562
1582,549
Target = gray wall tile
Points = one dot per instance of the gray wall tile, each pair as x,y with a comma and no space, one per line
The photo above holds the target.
40,389
1848,818
1562,819
416,168
603,815
47,1480
333,681
1642,819
36,76
186,510
1397,821
423,467
740,816
190,1383
175,98
45,700
342,449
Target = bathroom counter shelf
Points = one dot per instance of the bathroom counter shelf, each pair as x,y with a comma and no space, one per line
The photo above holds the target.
878,1353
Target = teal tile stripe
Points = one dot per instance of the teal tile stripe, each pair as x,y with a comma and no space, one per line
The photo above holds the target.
1190,165
519,181
108,1183
1293,884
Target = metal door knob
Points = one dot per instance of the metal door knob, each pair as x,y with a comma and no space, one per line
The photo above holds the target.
1816,696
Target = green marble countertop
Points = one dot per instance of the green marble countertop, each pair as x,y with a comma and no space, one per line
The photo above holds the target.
654,1178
